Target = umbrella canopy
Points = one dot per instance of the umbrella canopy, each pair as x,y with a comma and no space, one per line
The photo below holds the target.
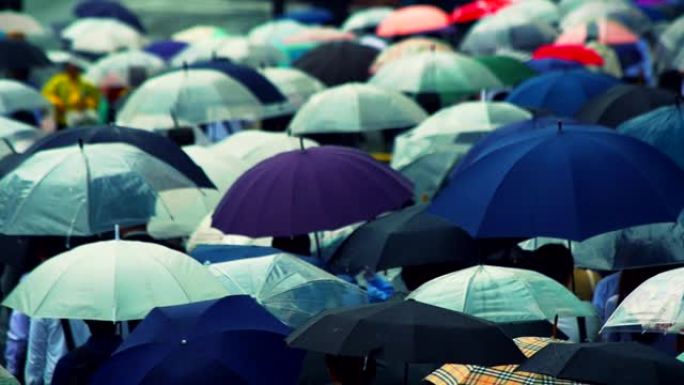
604,31
477,10
15,22
451,76
101,36
117,69
356,107
237,49
291,289
254,146
496,33
223,171
409,47
107,9
623,12
587,176
198,33
195,96
297,86
623,102
626,363
412,20
408,237
407,331
561,92
19,54
16,96
570,52
112,281
205,343
165,49
654,306
662,128
366,19
502,294
274,198
457,374
508,70
338,63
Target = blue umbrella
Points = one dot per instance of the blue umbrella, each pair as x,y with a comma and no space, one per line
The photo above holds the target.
561,92
662,128
227,341
109,10
548,65
315,16
568,182
165,49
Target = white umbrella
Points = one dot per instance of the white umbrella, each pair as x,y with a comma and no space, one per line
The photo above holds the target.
356,107
116,68
113,281
20,23
15,96
100,36
238,49
296,85
254,146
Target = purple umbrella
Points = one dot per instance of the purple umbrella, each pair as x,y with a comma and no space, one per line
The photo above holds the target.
304,191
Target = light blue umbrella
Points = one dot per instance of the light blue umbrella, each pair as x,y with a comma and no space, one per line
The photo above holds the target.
662,128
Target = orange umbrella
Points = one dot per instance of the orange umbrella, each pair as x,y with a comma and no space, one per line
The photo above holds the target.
412,20
604,31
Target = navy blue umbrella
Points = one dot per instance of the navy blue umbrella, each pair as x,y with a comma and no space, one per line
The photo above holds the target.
549,64
165,49
567,182
232,340
561,92
110,10
152,143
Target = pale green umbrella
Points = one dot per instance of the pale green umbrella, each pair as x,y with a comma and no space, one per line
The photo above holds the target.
296,85
252,146
113,281
355,108
290,288
501,294
654,306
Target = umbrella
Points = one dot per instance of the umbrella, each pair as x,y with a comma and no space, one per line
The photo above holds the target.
19,54
107,9
237,49
291,289
450,76
654,306
623,12
116,69
408,237
15,22
407,331
313,16
626,363
101,36
413,20
597,180
253,147
570,52
457,374
112,281
409,47
561,92
274,198
477,10
205,343
195,96
295,85
198,33
623,102
165,49
502,294
508,70
356,107
551,64
338,63
663,128
223,171
604,31
496,33
16,96
366,19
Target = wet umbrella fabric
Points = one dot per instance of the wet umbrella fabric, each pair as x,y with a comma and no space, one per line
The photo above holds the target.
110,10
626,363
579,173
19,54
407,331
277,198
662,128
622,103
338,63
223,341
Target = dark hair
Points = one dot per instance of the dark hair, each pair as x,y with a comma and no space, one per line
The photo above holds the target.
351,370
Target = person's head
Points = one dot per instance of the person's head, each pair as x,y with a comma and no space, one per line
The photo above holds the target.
553,260
101,328
350,370
72,70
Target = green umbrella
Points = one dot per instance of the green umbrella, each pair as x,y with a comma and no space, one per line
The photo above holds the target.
113,281
501,294
508,70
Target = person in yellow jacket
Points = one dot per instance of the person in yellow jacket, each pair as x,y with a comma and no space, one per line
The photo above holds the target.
70,94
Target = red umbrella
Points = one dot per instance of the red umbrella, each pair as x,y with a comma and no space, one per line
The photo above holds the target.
477,10
413,20
571,52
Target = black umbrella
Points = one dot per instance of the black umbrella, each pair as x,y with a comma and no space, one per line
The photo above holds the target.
409,237
407,331
623,102
626,363
18,54
338,63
